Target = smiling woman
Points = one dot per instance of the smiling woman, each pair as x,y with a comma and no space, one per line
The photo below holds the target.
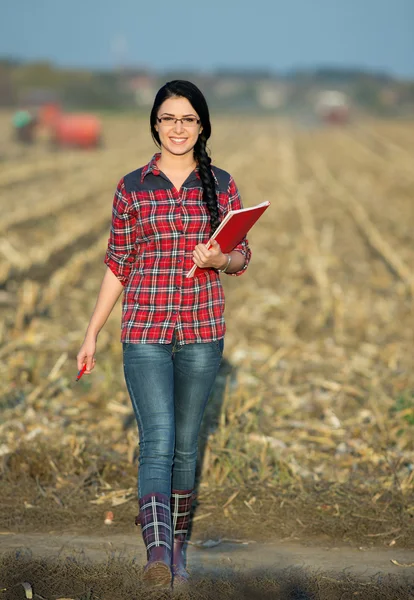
177,135
172,326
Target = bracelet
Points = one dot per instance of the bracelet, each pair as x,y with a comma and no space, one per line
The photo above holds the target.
227,265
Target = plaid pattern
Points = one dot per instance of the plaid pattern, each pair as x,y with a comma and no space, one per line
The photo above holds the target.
155,519
181,502
153,234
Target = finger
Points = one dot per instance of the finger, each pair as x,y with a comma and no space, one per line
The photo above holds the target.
203,250
200,261
196,256
80,360
214,250
90,363
215,246
197,252
202,253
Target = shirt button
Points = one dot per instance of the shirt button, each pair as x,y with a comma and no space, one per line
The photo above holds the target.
179,260
180,231
177,287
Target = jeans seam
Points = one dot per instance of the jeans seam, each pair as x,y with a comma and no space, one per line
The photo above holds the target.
136,411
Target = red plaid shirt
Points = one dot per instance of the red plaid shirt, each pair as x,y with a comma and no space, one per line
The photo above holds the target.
153,234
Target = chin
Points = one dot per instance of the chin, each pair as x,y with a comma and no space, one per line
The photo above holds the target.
178,151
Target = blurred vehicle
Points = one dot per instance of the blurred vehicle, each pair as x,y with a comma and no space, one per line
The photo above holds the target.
332,107
76,131
24,126
48,113
54,124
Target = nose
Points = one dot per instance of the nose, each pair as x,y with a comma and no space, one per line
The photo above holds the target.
178,127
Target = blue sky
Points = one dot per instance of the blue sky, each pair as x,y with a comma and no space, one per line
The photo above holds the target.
274,34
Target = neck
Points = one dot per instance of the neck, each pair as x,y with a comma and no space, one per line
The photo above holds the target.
172,162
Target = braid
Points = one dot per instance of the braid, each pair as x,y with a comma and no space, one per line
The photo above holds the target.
207,179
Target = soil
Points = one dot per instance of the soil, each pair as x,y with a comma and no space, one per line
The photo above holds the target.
61,563
211,555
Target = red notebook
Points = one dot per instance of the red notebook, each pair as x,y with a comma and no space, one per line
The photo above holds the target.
233,229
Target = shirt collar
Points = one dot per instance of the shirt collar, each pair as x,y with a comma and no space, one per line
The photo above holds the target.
152,167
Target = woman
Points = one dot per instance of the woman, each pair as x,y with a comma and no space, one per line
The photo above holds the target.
172,326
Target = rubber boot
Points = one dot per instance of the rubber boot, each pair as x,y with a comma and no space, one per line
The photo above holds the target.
155,520
181,501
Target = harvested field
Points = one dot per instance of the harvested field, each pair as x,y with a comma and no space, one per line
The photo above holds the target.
309,433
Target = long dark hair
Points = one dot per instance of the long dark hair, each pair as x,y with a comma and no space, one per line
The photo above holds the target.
186,89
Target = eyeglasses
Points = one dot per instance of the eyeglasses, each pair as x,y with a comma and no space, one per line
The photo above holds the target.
185,121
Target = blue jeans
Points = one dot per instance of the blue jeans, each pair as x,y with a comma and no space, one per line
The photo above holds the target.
169,386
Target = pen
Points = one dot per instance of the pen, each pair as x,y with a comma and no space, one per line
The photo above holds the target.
81,372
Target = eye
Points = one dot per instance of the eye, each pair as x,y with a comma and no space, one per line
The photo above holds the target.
167,119
189,120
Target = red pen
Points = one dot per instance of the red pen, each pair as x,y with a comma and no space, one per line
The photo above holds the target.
81,372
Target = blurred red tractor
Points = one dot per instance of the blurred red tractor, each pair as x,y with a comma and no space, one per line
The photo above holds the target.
76,131
70,130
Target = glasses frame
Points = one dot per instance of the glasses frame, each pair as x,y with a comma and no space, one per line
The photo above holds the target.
175,119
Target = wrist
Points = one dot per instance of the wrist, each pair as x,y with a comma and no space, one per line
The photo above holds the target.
223,261
225,264
92,334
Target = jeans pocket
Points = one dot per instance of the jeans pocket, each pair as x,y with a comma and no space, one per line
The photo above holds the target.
126,346
219,345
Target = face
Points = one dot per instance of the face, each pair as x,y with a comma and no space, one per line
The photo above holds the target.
178,138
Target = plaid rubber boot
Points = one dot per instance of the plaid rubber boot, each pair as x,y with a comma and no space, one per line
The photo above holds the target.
181,501
155,519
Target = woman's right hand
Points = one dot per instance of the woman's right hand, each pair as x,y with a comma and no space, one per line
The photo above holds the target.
86,355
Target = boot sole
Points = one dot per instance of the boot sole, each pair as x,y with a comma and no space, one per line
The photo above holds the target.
158,574
181,583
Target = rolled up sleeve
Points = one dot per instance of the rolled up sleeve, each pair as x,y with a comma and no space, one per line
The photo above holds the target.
121,253
235,203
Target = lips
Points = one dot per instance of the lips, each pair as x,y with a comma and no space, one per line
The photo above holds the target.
178,141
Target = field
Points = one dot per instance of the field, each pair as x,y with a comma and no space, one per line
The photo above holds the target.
309,433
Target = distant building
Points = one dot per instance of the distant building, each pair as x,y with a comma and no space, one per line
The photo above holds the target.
332,106
271,94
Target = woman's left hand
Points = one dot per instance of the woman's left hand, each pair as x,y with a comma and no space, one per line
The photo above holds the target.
209,258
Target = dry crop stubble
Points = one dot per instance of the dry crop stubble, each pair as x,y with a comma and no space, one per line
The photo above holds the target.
315,408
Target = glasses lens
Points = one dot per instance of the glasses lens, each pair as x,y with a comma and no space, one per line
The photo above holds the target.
190,121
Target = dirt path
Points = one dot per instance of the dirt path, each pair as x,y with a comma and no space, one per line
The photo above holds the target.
209,558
